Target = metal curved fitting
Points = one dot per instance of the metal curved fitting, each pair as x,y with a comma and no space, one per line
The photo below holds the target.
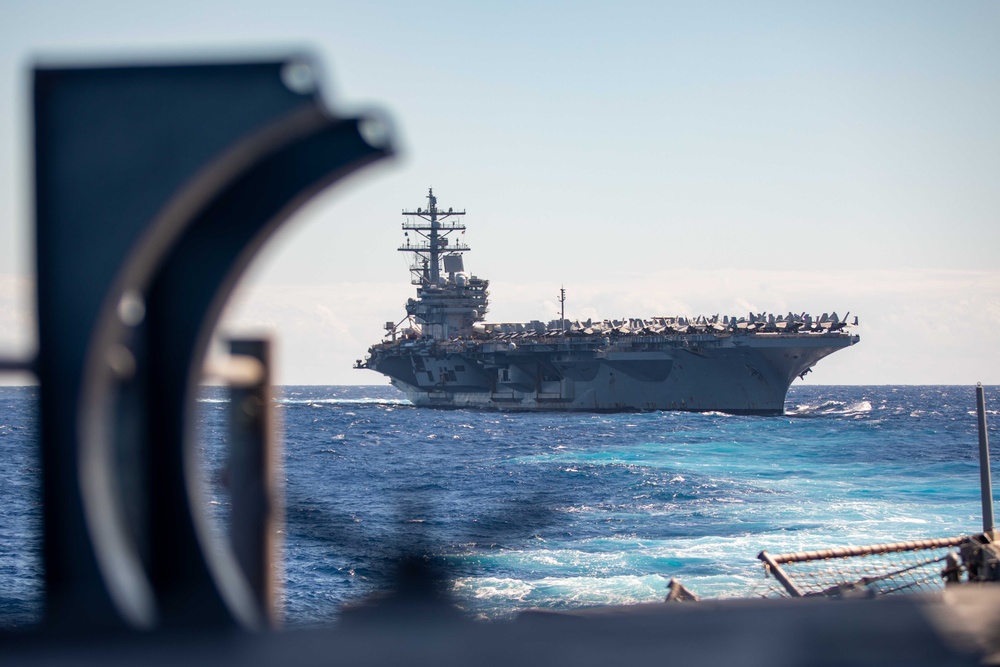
155,187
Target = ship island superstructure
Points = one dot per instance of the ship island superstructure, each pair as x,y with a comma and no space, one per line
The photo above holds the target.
444,354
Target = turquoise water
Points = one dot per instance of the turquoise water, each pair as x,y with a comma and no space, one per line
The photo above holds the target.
560,510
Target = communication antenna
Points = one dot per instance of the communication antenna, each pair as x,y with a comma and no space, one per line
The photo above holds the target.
562,308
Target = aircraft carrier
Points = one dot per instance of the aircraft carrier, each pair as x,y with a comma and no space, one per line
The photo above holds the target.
444,354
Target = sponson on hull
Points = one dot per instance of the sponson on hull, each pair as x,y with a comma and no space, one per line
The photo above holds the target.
443,354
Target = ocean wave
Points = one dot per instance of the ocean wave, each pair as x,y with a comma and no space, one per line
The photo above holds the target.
366,401
549,592
376,402
492,588
832,408
654,496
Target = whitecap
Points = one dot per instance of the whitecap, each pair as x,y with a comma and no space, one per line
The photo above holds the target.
493,588
342,401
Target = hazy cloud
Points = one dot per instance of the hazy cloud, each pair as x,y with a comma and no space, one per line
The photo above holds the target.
917,327
921,327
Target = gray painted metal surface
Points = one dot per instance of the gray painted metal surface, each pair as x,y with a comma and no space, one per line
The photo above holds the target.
985,483
255,480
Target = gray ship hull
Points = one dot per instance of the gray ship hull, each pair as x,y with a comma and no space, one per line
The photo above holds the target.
735,374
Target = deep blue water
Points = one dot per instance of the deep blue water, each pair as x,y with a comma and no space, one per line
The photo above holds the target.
557,510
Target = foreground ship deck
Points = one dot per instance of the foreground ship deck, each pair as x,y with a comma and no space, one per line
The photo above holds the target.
444,355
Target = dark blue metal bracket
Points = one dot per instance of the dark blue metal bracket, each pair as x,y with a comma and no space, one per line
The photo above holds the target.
155,187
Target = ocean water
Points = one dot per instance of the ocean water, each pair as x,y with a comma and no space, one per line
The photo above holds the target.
563,510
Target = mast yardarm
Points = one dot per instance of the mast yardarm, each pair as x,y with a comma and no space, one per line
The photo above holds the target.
435,243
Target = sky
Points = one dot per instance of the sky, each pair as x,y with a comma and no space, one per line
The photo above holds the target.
655,158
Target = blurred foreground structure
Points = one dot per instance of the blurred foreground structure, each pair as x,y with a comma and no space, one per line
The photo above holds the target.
155,187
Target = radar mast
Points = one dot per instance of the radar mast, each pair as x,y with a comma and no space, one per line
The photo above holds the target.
449,301
430,225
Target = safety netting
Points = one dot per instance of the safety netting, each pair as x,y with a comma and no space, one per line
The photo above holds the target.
878,569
